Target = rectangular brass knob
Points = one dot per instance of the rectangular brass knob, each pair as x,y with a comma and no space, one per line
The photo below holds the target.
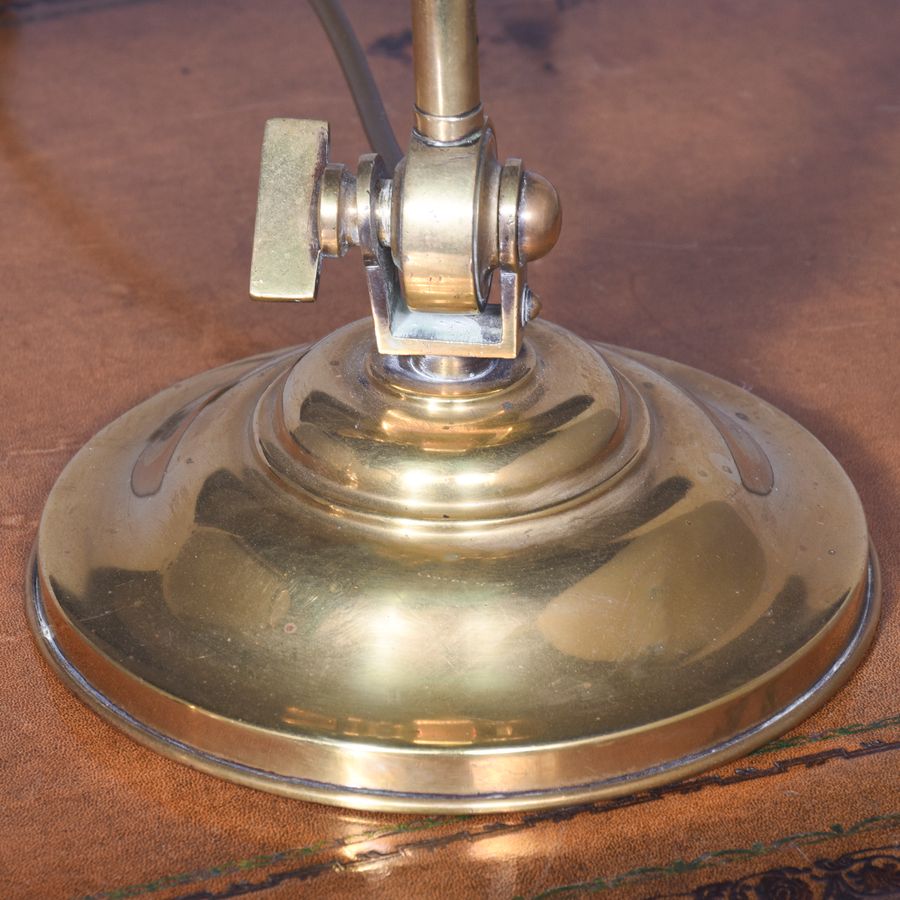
286,252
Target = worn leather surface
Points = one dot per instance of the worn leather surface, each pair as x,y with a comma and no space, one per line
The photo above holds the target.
731,180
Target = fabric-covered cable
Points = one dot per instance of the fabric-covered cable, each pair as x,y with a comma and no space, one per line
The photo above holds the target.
359,78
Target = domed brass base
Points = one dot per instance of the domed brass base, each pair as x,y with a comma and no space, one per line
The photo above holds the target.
409,584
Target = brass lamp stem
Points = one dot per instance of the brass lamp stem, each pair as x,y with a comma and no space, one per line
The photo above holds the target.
445,61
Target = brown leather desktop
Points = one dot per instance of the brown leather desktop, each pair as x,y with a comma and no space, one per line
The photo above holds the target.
746,220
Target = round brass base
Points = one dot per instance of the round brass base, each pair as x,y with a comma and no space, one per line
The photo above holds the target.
400,584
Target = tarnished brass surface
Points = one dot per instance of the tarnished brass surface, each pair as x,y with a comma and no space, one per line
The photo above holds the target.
387,584
286,262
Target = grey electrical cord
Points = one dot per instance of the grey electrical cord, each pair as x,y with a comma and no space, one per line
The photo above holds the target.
362,85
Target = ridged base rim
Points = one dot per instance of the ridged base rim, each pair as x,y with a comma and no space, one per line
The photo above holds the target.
399,801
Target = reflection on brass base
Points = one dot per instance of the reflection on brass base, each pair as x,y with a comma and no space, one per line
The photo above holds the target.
395,584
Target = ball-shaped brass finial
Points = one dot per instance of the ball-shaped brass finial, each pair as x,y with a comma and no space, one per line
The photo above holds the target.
540,217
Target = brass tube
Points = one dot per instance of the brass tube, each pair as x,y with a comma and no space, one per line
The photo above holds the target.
445,60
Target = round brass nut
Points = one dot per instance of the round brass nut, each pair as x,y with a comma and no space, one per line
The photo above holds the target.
540,217
337,211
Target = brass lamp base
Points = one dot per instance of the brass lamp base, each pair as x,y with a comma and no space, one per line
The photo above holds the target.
431,584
